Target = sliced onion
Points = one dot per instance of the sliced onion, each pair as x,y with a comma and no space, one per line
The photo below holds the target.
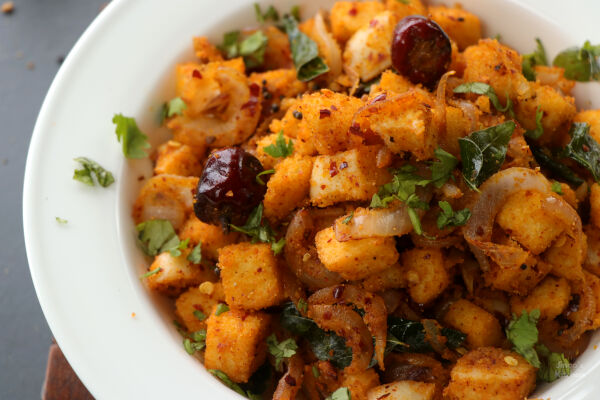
582,318
469,111
415,367
376,222
494,193
301,254
375,311
470,274
345,322
291,382
329,47
438,122
436,243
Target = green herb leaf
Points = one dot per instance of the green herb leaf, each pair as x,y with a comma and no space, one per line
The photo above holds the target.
557,188
280,148
200,316
326,346
91,168
407,2
485,89
157,236
441,170
580,64
174,107
523,334
483,152
584,149
305,52
315,372
133,141
450,218
538,57
150,273
227,381
266,172
341,394
195,255
557,169
295,13
270,14
347,220
281,350
229,47
411,336
61,221
260,231
221,308
539,128
555,365
302,306
253,49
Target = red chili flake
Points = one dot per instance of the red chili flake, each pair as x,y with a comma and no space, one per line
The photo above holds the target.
141,178
461,19
333,171
343,165
479,231
327,315
290,380
381,57
378,98
324,113
197,307
373,23
196,74
259,270
353,11
585,148
252,103
338,292
333,108
355,128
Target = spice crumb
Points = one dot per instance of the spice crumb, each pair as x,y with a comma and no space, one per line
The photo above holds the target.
8,7
511,361
206,288
133,315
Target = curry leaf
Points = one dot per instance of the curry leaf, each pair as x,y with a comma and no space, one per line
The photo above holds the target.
483,152
580,64
305,52
584,149
411,335
538,57
539,128
557,169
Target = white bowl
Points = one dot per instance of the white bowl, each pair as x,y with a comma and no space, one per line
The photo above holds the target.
116,335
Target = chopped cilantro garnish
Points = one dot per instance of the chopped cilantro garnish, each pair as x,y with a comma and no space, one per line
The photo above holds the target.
305,52
260,231
150,273
281,350
556,365
539,128
280,148
221,308
174,107
302,306
227,381
270,14
266,172
253,49
157,236
538,57
347,220
315,372
450,218
341,394
89,169
61,221
195,255
557,188
200,316
485,89
133,141
441,170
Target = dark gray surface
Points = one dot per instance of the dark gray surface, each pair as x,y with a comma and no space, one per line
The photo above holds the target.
31,41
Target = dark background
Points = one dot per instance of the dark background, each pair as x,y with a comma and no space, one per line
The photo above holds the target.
33,40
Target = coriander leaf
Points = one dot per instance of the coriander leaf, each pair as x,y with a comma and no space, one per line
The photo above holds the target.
441,170
157,236
347,220
584,149
229,47
407,2
228,382
450,218
302,306
200,316
91,168
280,148
557,188
175,107
305,52
483,152
150,273
523,334
253,49
133,141
412,336
539,128
580,64
61,221
281,350
295,13
266,172
555,365
221,308
538,57
326,346
315,372
258,13
260,231
270,14
341,394
195,255
557,169
485,89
